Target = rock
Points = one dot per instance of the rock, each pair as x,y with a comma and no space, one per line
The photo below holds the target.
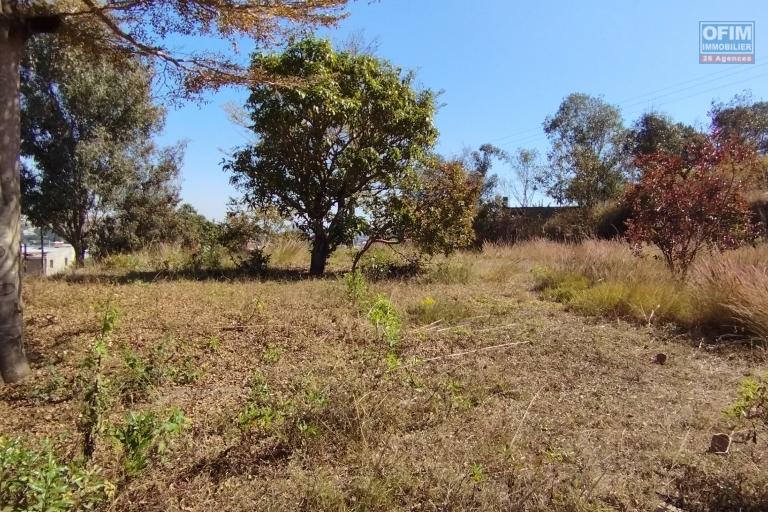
744,436
720,444
660,359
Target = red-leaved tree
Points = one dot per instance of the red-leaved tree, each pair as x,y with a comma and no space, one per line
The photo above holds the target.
687,202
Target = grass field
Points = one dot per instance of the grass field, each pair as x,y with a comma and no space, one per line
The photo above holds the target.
483,395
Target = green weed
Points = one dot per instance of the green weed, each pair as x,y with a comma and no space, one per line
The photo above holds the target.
144,438
37,480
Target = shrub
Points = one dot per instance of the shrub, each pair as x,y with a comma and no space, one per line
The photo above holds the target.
123,262
684,203
92,384
141,374
357,287
385,318
609,219
383,264
254,262
36,480
752,403
569,225
144,437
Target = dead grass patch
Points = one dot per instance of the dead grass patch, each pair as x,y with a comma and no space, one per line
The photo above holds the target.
513,404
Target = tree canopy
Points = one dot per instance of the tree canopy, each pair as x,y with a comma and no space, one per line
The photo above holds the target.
743,118
586,159
86,130
146,27
654,131
326,151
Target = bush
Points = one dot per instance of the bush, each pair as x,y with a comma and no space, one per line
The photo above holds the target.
383,263
35,479
255,262
609,219
569,225
357,287
752,403
144,437
123,262
685,204
386,319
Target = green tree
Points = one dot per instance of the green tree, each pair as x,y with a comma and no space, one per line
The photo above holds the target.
193,228
435,210
145,211
354,132
445,204
654,132
586,158
525,168
744,118
85,126
119,29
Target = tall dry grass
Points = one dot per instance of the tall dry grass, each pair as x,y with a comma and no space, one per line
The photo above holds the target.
726,291
288,252
731,289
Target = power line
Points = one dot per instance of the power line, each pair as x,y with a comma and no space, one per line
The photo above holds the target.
637,99
539,135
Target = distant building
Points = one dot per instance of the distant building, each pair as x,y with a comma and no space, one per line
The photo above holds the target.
48,260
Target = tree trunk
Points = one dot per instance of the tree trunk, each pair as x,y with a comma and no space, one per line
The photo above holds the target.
13,362
319,256
368,244
79,248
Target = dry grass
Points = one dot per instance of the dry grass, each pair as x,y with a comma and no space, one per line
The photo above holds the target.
733,289
725,294
293,404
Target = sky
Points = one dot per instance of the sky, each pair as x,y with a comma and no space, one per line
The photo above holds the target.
503,66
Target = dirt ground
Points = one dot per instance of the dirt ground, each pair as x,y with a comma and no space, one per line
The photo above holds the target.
495,400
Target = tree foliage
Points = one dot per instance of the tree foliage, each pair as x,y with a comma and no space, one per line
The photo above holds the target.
162,32
157,31
525,169
743,118
326,153
586,159
86,129
654,132
685,204
93,173
444,207
435,211
144,213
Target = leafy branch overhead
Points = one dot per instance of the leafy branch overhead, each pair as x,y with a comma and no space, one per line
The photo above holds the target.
162,32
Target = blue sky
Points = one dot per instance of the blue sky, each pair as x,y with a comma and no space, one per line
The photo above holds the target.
503,66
